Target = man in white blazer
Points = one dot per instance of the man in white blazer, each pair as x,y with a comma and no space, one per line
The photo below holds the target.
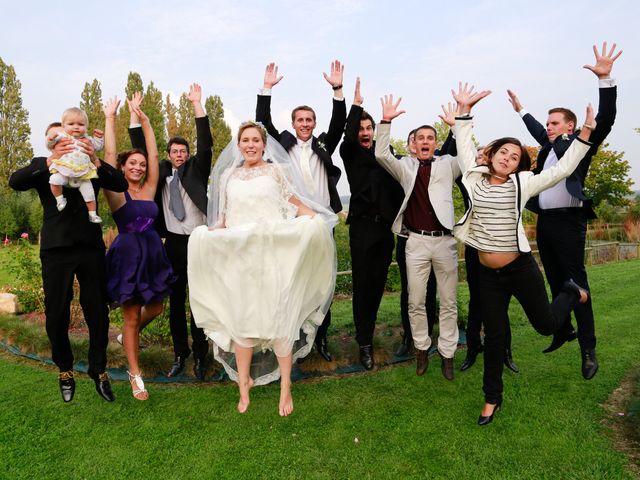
427,217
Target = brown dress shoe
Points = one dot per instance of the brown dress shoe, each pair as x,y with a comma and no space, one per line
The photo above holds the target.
422,361
447,368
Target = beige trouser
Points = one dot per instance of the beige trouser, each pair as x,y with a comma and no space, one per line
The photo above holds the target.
441,253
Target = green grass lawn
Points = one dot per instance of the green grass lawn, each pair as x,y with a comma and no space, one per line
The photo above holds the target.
384,424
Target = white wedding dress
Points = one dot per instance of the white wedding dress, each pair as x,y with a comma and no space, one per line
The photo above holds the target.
267,279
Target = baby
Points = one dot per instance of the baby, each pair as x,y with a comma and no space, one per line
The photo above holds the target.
74,169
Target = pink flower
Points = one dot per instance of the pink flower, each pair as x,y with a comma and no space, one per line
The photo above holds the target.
25,235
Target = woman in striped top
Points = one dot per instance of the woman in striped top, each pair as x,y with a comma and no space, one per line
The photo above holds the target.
492,224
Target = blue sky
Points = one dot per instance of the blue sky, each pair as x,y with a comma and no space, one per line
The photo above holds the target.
416,49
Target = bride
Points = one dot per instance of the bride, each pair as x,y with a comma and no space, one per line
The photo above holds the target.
261,277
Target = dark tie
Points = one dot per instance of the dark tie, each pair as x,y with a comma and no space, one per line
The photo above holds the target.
426,163
175,199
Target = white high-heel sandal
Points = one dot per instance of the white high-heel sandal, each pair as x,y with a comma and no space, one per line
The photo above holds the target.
139,389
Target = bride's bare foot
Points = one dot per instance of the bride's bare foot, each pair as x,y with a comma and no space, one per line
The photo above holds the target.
244,386
286,400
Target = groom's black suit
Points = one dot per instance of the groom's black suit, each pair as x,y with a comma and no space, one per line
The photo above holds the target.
323,146
72,246
561,232
194,175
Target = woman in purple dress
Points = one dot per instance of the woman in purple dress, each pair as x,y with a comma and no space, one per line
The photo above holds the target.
138,270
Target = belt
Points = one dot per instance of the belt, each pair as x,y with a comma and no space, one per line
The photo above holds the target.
429,233
556,211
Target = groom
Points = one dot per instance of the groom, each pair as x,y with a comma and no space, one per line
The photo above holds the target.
313,154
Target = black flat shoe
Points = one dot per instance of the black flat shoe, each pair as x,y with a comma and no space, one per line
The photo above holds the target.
177,367
559,339
103,387
405,346
589,363
470,359
200,369
482,420
366,357
67,385
323,348
508,361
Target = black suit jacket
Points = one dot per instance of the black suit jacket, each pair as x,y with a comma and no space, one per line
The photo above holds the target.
575,182
329,139
71,226
373,190
194,173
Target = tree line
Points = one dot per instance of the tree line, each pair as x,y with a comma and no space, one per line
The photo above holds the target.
608,182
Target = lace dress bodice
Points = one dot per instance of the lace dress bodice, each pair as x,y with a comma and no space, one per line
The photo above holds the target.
257,195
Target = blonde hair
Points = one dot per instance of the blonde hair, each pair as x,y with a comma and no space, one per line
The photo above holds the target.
75,111
257,125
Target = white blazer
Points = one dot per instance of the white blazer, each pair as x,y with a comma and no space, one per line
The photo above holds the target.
444,171
527,183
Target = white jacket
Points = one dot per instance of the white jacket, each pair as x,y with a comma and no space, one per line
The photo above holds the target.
444,171
527,183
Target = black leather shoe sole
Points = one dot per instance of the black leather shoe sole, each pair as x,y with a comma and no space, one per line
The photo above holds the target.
67,389
559,340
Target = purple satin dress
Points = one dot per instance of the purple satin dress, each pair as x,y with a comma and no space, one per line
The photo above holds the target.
138,269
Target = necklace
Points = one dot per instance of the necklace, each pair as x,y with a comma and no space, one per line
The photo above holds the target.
498,176
135,189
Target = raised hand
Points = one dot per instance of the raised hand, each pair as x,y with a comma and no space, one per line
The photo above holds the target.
134,106
513,99
450,114
195,93
467,98
110,108
336,76
390,109
358,99
604,61
589,124
271,77
135,101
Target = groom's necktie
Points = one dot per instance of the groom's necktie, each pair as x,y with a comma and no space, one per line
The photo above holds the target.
175,199
305,167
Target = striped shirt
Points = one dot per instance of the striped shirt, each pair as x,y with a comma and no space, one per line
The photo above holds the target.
493,224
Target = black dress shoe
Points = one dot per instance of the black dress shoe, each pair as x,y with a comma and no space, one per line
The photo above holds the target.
489,418
405,346
508,361
366,357
589,363
447,368
422,361
67,385
470,359
103,387
177,367
323,349
560,338
200,369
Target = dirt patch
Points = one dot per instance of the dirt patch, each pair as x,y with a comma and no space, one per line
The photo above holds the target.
623,419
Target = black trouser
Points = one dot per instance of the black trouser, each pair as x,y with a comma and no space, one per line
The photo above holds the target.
371,244
561,235
432,289
522,279
176,247
474,318
59,266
